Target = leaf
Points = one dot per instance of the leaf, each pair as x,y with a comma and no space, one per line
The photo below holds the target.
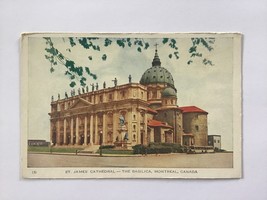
193,49
90,57
87,70
52,70
176,53
165,40
72,77
189,62
79,71
84,43
146,45
60,56
70,65
120,43
170,56
139,49
207,62
173,41
104,57
94,76
82,81
205,44
72,84
107,42
52,51
72,43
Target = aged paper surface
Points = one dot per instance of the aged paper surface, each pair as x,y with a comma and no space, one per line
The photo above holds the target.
148,105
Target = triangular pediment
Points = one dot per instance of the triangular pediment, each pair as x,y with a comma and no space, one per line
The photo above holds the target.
81,103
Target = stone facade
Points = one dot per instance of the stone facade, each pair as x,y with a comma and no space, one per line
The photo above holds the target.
129,114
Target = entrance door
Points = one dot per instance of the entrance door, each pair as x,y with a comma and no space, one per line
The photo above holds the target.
82,139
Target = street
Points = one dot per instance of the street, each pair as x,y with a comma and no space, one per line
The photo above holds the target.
213,160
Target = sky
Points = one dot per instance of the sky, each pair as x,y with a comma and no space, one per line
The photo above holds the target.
207,87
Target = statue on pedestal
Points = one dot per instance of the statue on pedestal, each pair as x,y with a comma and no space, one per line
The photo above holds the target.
121,118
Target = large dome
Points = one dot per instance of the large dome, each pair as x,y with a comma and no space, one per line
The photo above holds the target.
157,74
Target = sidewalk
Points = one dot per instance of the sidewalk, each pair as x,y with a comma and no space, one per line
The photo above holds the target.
98,155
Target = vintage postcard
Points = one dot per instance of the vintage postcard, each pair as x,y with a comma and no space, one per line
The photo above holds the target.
131,105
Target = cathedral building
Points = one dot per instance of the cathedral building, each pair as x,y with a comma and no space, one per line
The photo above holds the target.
128,114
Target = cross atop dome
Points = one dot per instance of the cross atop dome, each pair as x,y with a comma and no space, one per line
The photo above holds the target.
156,60
156,45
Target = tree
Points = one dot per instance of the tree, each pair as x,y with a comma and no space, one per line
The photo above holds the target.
81,73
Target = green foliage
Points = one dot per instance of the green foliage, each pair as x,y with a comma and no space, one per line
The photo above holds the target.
193,50
107,147
116,151
107,42
78,74
72,43
157,148
72,84
165,40
104,57
74,73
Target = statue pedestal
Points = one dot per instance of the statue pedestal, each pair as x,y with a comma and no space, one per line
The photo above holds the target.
121,143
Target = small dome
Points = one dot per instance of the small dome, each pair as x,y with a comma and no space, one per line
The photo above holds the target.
157,74
168,92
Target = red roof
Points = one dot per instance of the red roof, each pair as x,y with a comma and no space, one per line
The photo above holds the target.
192,109
156,123
151,110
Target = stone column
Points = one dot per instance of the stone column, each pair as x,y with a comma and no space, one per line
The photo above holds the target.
115,126
138,130
91,129
65,131
58,132
130,126
96,141
71,131
104,134
77,130
51,131
85,130
145,127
